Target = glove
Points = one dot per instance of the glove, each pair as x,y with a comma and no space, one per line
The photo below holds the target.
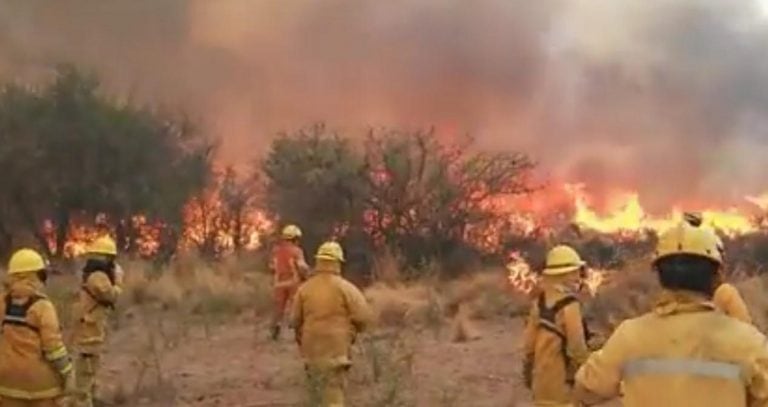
528,371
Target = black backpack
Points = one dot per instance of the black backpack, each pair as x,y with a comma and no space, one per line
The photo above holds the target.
16,314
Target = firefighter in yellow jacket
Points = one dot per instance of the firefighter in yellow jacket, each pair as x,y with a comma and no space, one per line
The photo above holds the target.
328,312
684,352
726,296
35,368
98,294
555,341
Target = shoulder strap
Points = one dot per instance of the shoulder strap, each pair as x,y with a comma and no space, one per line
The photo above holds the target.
562,303
549,313
547,316
17,314
547,322
31,301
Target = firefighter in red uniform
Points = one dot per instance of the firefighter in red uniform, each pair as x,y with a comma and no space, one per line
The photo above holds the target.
289,268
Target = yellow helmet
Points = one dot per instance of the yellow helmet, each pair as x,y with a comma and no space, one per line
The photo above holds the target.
686,239
562,259
25,261
291,232
330,251
103,245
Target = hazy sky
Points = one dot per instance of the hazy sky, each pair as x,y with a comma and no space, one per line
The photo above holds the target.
666,96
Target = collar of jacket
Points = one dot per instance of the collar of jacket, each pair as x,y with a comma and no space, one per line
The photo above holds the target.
328,267
672,302
24,286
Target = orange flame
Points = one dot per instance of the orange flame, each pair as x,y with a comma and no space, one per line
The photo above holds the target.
627,215
522,278
520,275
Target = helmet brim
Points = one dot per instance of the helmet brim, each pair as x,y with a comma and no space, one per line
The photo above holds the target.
330,258
562,269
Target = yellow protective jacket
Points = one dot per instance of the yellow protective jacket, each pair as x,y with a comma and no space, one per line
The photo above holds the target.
683,353
728,300
95,301
33,359
552,362
328,312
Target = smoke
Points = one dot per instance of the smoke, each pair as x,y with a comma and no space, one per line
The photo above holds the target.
669,97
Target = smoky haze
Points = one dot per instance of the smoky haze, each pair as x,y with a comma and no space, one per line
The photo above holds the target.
669,97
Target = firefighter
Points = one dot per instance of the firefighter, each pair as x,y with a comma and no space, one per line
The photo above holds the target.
35,368
555,337
289,269
683,352
728,300
327,314
726,296
98,294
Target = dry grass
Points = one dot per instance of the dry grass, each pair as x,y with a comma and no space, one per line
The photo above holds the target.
198,287
434,306
192,293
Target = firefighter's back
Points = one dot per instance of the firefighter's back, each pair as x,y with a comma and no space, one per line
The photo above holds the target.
550,372
688,359
24,371
284,256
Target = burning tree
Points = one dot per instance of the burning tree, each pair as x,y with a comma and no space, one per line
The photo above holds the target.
434,200
224,217
409,192
315,178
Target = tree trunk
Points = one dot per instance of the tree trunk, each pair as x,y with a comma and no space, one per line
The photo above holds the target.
124,234
6,241
62,229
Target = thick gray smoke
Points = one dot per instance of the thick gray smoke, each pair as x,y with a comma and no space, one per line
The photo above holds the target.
667,96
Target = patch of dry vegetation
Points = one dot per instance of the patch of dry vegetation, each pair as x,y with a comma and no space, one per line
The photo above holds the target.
753,290
434,305
166,306
626,294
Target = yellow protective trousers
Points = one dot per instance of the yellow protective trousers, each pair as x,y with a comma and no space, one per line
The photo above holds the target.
86,368
326,385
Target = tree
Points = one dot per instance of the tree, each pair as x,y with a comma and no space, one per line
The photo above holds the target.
316,179
223,217
407,192
432,200
71,153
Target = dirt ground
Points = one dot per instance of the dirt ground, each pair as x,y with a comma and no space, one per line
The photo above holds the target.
234,364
